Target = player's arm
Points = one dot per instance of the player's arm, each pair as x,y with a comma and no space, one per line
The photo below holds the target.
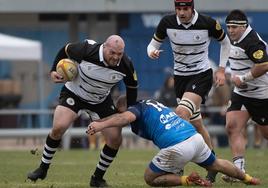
257,53
153,48
131,81
217,32
73,51
117,120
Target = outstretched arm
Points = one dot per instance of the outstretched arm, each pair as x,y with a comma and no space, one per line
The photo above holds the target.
224,55
153,49
118,120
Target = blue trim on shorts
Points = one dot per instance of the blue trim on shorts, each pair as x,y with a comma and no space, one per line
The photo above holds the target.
209,161
155,168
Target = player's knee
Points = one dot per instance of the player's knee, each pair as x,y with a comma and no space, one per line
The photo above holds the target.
186,108
196,115
114,141
57,132
230,127
148,180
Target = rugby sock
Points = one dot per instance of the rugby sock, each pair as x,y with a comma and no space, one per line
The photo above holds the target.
239,162
106,158
50,148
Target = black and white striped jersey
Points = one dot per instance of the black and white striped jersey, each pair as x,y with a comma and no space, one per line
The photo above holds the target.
244,54
95,79
189,42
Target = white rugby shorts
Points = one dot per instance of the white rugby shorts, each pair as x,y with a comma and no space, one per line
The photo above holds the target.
173,159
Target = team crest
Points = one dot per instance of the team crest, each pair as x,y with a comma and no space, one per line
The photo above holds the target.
70,101
197,38
114,77
218,25
175,34
258,54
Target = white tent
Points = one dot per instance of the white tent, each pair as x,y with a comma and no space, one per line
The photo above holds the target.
20,49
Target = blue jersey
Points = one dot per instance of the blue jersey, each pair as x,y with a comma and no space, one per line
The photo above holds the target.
160,124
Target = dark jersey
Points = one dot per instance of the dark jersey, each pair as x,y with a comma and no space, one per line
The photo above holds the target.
244,54
190,42
95,79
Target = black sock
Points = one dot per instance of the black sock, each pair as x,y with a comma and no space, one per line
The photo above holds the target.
106,158
50,149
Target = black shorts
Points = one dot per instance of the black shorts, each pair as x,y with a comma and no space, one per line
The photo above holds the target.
199,84
257,108
75,103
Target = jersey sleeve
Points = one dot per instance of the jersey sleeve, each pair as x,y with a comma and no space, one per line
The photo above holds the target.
215,29
135,109
77,51
257,52
161,30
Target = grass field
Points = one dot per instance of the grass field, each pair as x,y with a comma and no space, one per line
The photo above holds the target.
72,169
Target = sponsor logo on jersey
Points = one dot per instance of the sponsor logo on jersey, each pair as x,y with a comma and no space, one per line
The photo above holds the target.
218,25
70,101
258,54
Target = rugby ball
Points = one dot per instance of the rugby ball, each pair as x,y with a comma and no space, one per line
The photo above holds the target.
67,68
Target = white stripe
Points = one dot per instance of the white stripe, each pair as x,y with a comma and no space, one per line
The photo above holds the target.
106,156
101,167
49,148
47,154
104,162
46,161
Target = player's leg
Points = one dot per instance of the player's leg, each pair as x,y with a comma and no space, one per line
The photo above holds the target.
189,109
113,139
63,118
229,169
236,124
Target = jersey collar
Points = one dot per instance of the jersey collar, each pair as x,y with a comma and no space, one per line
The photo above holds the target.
193,21
247,31
101,56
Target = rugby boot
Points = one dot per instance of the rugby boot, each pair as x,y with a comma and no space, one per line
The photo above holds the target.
197,180
39,173
95,182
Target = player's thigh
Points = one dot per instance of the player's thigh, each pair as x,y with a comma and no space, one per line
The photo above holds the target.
63,118
237,115
264,131
236,121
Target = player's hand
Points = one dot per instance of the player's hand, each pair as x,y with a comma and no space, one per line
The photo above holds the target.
220,77
56,77
93,128
155,54
238,83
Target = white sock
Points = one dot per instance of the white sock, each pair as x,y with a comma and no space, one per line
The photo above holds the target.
239,162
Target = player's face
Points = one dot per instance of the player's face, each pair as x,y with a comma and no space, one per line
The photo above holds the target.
185,14
113,55
235,32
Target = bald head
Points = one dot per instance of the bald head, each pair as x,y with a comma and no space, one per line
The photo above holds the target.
113,50
115,41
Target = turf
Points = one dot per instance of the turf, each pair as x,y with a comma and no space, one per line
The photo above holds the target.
72,169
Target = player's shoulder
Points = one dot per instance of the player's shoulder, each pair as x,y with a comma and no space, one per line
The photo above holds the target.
168,18
252,39
205,19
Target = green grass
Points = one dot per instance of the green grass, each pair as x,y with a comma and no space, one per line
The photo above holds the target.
72,169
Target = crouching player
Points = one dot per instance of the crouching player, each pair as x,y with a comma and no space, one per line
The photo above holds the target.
178,141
